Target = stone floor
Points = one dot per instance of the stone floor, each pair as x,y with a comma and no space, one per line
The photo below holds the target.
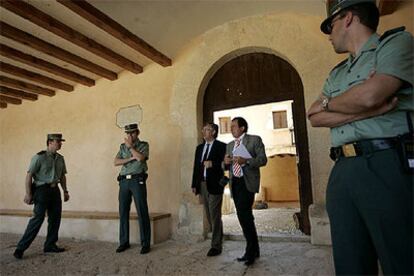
278,218
168,258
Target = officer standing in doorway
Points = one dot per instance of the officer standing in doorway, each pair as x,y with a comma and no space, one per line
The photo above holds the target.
367,102
47,169
132,156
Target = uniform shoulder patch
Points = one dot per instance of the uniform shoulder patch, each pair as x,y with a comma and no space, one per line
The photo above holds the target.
41,152
391,32
340,64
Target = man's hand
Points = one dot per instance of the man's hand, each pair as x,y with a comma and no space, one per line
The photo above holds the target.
128,141
227,159
208,164
239,160
66,196
315,108
194,190
28,199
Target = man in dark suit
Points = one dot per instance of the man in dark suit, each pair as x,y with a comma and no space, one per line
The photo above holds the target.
207,173
245,182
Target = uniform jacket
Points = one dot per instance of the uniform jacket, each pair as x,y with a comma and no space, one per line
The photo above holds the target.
213,174
251,171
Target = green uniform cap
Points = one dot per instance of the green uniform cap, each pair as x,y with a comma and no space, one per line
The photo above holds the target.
55,136
131,128
333,7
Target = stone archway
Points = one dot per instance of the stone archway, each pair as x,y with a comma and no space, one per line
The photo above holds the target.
258,78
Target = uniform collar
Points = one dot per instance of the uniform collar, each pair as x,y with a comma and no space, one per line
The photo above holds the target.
52,154
369,45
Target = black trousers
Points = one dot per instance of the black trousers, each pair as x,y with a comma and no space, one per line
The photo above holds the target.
45,199
243,200
129,188
370,205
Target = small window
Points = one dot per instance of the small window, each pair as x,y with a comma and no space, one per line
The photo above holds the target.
225,124
279,119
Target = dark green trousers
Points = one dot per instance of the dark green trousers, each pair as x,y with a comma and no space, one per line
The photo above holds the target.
370,205
48,200
129,188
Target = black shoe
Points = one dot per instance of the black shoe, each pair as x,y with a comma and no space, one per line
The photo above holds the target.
18,254
122,248
213,252
249,261
54,249
145,250
244,258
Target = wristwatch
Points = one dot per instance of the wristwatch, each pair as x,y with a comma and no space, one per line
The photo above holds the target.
325,102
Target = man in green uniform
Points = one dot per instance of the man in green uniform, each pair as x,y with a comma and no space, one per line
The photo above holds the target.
132,156
47,169
367,102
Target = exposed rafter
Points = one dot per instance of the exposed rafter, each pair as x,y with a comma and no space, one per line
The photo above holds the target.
9,82
103,21
49,23
6,91
44,65
10,100
35,77
27,39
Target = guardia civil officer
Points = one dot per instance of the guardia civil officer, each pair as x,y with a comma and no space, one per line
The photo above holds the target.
132,156
47,168
367,102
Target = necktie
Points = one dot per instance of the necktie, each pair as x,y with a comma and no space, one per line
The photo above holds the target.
206,153
236,166
204,159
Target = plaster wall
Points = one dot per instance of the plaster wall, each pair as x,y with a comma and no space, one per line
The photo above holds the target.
171,99
280,179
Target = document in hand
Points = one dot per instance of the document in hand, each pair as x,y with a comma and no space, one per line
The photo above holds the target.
242,152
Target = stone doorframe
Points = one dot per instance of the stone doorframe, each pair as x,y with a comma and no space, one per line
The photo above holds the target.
194,105
197,63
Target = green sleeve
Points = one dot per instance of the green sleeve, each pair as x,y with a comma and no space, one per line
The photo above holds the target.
64,171
395,58
119,154
144,149
34,165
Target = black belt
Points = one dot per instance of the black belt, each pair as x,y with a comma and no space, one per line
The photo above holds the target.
363,147
47,185
131,176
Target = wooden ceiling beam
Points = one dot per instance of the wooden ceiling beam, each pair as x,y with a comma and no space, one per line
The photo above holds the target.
14,54
387,6
42,46
9,82
6,91
3,105
35,77
56,27
10,100
103,21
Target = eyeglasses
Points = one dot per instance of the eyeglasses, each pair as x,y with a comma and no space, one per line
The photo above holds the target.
330,26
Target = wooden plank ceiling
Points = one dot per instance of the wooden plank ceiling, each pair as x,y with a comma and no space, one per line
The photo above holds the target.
50,47
25,75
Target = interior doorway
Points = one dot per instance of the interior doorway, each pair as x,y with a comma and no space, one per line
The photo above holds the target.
278,199
262,78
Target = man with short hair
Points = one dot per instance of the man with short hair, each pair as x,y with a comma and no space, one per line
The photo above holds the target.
132,156
245,182
47,169
207,173
367,102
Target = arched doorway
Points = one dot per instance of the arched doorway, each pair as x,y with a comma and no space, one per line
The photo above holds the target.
258,78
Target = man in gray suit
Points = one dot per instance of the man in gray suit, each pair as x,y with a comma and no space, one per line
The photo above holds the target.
245,182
